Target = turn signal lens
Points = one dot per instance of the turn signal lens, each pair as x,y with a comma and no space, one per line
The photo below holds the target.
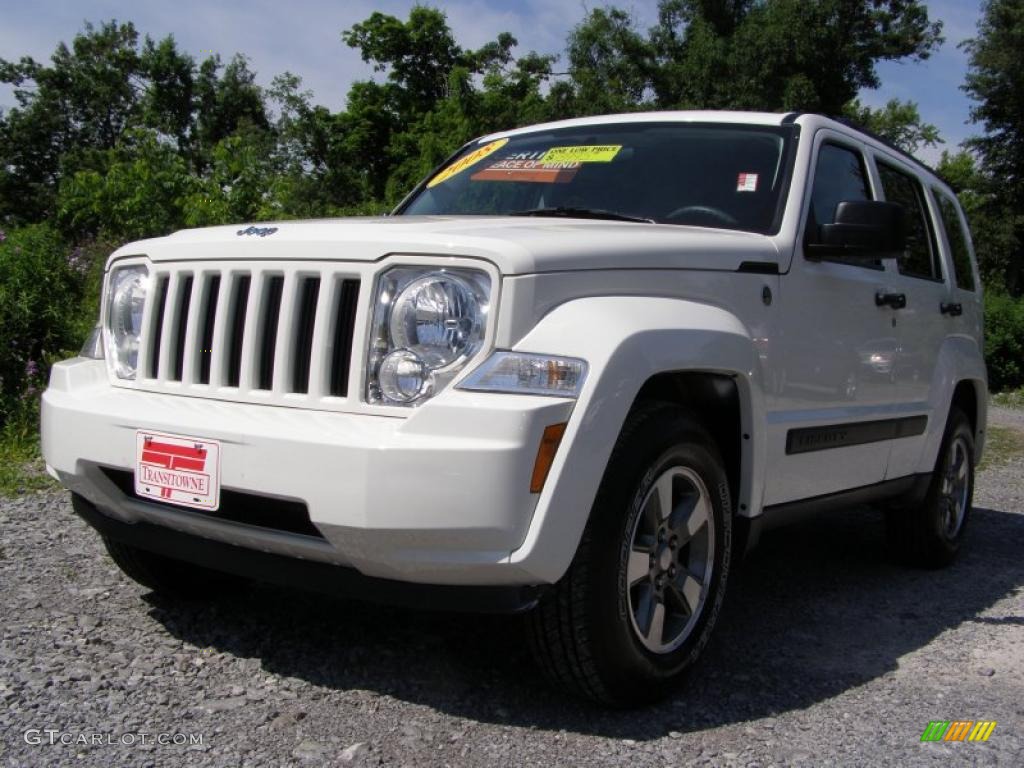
522,373
546,455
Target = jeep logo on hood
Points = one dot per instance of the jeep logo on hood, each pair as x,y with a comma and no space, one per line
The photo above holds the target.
260,231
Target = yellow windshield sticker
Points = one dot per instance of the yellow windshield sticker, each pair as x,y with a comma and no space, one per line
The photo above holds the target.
586,154
467,161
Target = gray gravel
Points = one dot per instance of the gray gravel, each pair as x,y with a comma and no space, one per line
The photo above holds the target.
826,654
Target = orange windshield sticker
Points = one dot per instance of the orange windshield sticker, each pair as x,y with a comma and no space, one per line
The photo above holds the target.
527,169
467,161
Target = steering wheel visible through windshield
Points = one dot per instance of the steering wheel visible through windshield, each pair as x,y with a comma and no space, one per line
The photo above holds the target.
699,174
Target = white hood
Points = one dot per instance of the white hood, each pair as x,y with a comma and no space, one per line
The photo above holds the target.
517,245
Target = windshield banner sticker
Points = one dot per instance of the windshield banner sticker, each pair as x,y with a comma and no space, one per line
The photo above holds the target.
466,161
586,154
746,182
527,166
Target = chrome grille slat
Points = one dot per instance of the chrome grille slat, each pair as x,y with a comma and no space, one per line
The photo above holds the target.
203,356
220,328
280,378
344,321
188,342
253,322
323,337
303,339
234,350
167,338
152,315
307,296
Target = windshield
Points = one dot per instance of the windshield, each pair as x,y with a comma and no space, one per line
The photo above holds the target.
711,175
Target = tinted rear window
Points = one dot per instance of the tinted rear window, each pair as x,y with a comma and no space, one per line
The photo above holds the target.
957,239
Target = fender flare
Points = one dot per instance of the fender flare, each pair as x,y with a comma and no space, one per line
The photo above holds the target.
959,359
625,340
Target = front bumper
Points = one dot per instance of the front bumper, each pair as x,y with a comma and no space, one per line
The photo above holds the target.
440,497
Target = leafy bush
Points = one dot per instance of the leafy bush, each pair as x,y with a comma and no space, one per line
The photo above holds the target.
1004,341
41,289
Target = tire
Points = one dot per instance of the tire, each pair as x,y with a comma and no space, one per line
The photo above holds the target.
929,534
595,632
165,576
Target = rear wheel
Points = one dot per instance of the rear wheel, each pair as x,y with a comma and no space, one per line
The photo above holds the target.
641,597
168,577
930,534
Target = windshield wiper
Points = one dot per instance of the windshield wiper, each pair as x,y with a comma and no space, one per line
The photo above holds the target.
581,213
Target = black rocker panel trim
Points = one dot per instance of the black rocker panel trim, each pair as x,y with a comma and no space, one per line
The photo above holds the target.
808,439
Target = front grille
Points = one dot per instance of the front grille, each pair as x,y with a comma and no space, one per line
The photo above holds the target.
235,506
267,333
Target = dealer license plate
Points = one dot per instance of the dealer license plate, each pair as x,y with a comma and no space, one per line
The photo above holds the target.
177,470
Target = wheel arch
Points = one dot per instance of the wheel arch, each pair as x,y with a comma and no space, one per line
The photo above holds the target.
639,348
960,379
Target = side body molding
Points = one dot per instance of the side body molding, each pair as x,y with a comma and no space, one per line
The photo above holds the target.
625,341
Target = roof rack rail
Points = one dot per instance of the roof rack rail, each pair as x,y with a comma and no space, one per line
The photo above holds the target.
881,140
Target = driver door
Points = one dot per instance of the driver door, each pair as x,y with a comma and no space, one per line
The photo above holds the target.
836,349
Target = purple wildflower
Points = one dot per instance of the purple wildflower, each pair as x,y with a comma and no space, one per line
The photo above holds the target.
3,235
78,261
31,369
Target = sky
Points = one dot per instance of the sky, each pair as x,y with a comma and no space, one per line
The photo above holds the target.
305,39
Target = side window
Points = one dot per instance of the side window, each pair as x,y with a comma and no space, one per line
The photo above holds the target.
957,239
920,259
840,175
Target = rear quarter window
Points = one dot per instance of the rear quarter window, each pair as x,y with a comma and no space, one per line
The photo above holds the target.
956,236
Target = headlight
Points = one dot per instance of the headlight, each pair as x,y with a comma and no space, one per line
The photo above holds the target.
526,374
127,299
426,325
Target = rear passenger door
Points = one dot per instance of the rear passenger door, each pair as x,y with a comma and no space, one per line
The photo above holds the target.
920,324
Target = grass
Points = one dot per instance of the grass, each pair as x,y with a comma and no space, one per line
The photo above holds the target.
1013,398
1002,444
21,465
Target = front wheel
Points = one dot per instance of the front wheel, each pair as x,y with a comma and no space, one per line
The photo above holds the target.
640,599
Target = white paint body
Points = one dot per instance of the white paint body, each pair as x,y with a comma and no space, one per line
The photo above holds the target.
440,493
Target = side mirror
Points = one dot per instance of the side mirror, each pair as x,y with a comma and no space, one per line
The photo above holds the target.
863,230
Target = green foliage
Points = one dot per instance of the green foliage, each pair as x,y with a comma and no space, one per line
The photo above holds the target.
812,55
41,284
995,224
137,194
898,121
1004,341
996,81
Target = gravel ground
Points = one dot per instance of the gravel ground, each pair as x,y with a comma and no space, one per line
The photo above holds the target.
825,655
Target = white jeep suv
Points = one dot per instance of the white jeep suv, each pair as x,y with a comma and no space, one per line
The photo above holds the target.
575,373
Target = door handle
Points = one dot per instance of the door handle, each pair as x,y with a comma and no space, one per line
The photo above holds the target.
894,300
951,308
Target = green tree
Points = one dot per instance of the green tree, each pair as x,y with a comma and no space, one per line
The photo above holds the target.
39,289
898,121
81,102
139,194
611,63
812,55
995,79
